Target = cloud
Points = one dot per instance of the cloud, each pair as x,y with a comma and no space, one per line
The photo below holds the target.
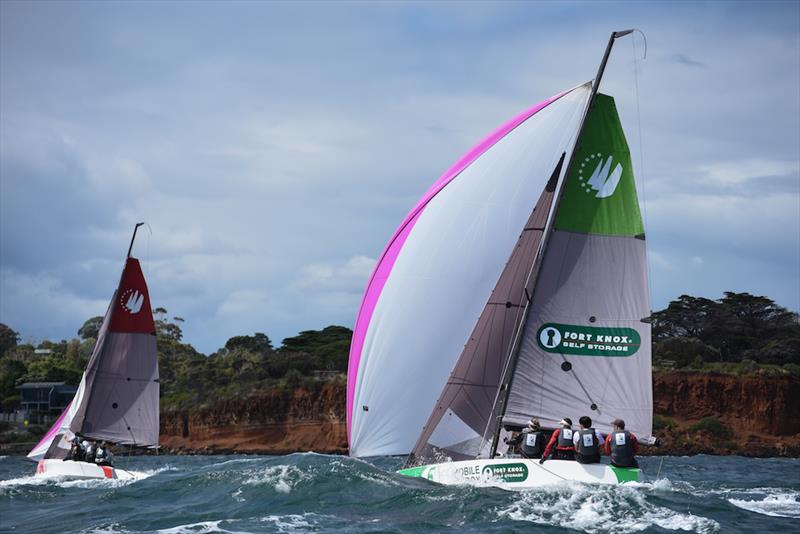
685,60
43,304
273,148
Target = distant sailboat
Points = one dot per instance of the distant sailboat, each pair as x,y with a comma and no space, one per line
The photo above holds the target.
482,314
117,400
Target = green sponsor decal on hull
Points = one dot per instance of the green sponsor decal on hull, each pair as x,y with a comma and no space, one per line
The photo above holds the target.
625,474
588,340
515,472
413,471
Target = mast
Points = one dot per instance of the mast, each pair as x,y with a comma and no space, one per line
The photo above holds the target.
130,248
505,387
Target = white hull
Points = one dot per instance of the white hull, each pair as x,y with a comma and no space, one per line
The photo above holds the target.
521,473
80,470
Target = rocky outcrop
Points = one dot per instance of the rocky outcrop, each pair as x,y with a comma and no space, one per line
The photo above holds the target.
270,422
696,413
727,414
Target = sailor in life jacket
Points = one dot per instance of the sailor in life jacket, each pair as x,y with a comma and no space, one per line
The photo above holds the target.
89,448
561,444
103,456
622,445
531,440
587,442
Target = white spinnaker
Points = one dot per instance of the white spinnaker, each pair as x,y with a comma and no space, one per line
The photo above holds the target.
444,275
61,426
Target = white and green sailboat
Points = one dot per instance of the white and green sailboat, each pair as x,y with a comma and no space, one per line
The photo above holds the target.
482,313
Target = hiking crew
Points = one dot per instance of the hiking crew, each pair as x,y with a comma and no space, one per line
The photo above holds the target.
587,442
622,445
530,440
561,444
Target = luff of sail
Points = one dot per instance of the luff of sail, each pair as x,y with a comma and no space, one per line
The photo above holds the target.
121,380
438,271
459,425
585,348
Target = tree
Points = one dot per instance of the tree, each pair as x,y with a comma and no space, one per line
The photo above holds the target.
91,328
165,329
258,343
8,339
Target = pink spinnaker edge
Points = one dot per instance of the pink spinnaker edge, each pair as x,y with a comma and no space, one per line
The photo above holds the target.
392,250
53,429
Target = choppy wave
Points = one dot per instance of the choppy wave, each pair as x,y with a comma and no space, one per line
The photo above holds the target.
775,504
317,493
593,508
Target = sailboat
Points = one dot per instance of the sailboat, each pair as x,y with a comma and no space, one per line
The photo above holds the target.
515,288
117,400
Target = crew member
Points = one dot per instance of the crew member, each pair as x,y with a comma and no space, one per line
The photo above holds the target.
560,443
103,456
622,445
76,451
587,442
89,448
531,440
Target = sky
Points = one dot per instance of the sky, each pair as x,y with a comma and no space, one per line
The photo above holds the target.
273,148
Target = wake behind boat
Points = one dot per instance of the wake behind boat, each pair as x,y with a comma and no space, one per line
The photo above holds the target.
508,314
117,401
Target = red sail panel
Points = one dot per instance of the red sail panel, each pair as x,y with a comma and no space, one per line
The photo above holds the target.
131,311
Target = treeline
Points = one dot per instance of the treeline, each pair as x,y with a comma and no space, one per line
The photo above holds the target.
188,377
739,332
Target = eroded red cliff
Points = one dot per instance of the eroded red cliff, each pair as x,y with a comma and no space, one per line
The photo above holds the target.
697,412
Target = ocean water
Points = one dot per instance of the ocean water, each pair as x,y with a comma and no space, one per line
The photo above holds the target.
317,493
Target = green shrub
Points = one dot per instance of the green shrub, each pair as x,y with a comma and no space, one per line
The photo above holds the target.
792,369
713,426
661,422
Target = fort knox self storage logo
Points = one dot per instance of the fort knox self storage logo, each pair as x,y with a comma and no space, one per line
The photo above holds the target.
588,340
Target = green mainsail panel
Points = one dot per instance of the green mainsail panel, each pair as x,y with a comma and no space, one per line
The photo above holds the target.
599,192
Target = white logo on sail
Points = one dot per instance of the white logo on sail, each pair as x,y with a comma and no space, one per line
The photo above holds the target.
134,300
550,337
603,179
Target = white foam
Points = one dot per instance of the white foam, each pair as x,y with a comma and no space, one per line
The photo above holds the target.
113,528
199,528
592,508
282,478
776,505
65,482
292,522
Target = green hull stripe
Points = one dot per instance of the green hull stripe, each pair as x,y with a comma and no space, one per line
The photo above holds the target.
625,474
413,471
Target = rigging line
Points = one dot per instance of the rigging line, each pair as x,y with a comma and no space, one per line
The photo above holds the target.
542,467
147,249
578,380
641,147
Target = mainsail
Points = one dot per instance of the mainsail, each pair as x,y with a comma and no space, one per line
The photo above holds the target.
117,399
585,348
121,400
439,269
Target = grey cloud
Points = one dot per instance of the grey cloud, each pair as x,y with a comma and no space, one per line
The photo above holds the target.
685,60
269,144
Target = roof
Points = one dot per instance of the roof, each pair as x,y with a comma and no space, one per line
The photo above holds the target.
36,385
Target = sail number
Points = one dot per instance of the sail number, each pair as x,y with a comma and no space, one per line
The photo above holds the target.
588,340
